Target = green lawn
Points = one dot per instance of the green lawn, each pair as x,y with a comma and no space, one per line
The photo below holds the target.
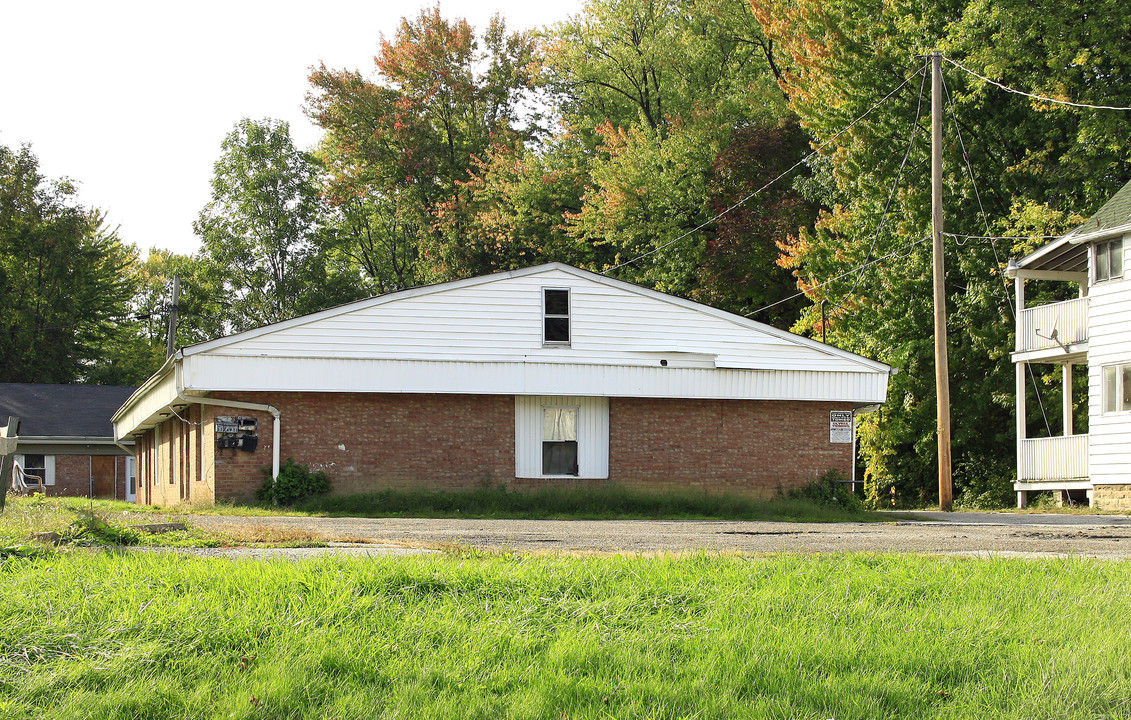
470,636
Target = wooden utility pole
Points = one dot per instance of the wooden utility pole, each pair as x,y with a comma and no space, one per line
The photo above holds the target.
942,370
171,333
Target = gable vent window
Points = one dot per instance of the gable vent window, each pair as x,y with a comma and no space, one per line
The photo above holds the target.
555,316
1109,260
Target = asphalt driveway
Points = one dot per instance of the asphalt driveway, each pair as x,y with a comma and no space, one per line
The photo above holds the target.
990,534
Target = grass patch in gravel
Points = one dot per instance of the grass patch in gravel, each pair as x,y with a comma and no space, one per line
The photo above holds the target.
78,522
137,636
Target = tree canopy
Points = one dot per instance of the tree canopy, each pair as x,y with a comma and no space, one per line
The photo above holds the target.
768,157
64,286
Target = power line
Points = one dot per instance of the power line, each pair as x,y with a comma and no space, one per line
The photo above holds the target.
1031,95
894,253
898,175
796,165
1001,237
997,258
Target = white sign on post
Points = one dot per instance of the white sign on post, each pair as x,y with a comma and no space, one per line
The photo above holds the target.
840,426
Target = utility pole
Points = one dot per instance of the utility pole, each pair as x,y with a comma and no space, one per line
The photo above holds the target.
942,370
171,333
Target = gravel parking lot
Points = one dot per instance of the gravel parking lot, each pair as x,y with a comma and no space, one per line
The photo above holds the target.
989,534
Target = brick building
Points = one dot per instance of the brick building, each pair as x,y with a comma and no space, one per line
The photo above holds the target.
546,375
66,438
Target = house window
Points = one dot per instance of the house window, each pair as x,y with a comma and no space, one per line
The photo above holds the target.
1109,260
559,441
1117,388
561,436
37,466
555,316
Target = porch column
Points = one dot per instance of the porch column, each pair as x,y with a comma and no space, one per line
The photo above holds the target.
1066,377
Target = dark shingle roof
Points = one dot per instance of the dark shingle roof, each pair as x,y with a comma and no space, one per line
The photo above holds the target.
1115,212
62,410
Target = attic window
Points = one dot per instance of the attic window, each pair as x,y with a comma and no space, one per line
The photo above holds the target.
1109,260
555,316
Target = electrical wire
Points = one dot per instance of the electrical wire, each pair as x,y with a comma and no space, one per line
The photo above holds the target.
898,175
997,258
746,199
1031,95
894,253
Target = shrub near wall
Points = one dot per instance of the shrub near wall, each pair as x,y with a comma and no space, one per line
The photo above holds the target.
295,483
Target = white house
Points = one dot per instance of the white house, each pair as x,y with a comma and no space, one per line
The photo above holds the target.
1093,329
545,375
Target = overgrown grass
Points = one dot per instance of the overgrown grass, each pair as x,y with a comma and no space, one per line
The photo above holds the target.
834,636
85,523
583,503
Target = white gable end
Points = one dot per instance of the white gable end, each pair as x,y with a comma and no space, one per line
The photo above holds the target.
500,320
485,336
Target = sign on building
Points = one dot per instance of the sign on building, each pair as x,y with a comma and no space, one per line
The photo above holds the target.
840,426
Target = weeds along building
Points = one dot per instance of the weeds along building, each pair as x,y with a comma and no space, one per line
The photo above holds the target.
540,376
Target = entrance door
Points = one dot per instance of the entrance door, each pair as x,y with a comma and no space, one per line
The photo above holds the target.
131,479
102,476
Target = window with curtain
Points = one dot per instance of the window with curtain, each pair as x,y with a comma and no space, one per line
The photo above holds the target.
559,441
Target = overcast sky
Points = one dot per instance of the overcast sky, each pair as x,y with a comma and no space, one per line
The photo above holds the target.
132,99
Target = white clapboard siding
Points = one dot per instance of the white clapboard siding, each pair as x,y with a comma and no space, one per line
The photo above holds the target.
1109,343
502,319
592,434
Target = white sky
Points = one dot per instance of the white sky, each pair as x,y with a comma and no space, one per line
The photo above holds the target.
132,99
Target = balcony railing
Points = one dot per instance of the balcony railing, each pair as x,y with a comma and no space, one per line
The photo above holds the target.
1053,458
1056,325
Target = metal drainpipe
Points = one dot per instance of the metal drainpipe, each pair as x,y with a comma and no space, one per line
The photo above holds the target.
275,434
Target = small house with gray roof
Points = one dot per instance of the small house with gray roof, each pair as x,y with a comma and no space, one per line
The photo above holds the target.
66,438
1092,330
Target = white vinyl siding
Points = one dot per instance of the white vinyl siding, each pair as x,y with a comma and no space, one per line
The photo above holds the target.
592,432
1109,345
503,321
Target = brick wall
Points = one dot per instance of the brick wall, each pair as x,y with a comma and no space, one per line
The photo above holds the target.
743,446
1112,497
72,476
369,441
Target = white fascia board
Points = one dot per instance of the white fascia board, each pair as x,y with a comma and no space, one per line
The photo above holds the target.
65,440
211,372
1076,354
146,387
737,320
158,393
1098,235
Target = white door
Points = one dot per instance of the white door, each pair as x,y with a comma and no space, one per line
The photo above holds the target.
131,479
